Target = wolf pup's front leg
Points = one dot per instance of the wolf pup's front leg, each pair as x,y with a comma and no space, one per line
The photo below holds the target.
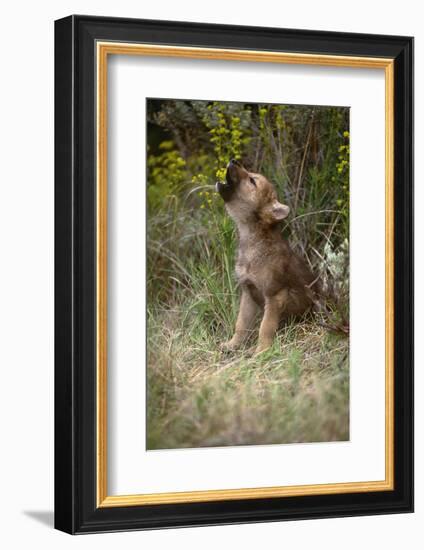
245,319
274,307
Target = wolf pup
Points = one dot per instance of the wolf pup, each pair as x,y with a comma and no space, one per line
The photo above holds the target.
271,276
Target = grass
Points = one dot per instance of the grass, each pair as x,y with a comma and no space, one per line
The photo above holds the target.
198,396
296,392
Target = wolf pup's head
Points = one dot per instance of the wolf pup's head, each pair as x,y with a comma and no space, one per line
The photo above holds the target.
250,197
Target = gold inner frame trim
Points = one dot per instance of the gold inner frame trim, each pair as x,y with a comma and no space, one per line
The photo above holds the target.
103,50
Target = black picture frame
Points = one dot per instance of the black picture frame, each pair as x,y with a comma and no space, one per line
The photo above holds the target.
76,508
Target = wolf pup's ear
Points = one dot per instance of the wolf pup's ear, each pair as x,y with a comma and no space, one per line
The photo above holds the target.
279,211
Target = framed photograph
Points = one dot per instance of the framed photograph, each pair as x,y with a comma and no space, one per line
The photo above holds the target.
234,274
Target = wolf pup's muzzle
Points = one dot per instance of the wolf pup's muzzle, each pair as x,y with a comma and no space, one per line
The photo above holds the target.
226,190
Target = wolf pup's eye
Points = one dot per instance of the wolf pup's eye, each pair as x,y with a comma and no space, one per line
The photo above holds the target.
252,181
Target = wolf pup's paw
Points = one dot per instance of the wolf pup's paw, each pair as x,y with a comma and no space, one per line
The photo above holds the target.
229,346
261,348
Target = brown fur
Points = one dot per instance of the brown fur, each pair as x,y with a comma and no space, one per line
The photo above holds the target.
272,277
